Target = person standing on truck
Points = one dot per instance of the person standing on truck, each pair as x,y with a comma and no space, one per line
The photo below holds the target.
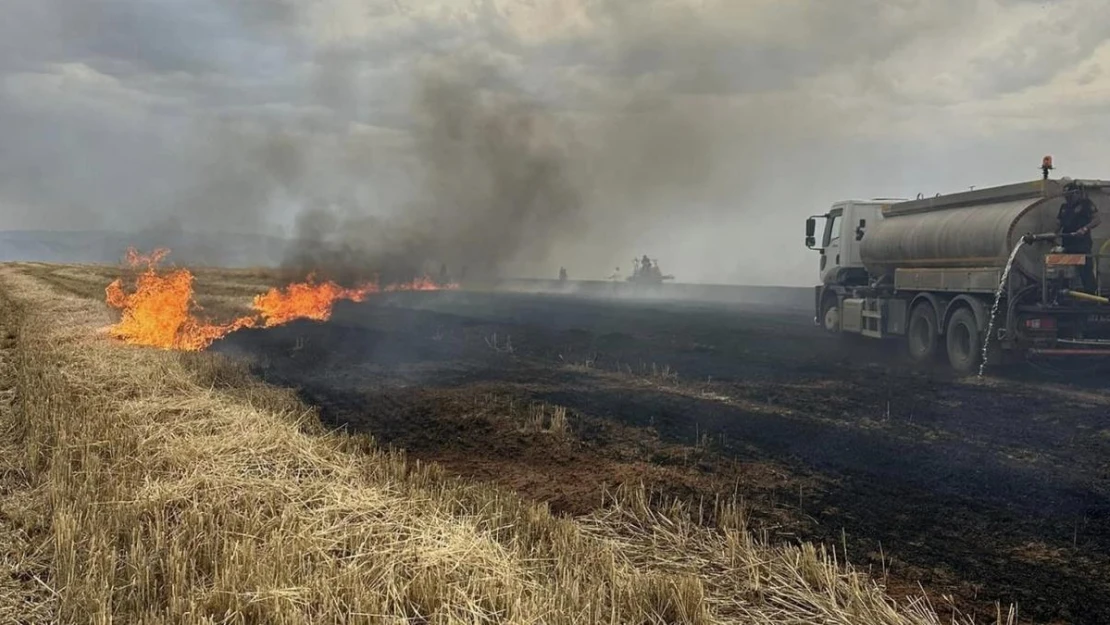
1077,217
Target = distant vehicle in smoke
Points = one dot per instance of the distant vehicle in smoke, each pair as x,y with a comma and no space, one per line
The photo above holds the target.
646,271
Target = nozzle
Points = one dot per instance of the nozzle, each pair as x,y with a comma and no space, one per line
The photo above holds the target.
1032,238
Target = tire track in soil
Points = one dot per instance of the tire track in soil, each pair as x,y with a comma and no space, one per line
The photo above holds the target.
483,432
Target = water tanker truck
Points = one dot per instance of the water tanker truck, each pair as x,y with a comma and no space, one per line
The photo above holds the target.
927,272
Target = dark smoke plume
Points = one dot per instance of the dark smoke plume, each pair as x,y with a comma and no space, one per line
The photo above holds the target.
497,188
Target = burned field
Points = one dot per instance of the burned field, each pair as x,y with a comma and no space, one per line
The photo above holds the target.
161,484
981,491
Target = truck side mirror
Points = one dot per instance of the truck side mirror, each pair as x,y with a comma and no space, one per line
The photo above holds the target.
811,227
810,242
860,229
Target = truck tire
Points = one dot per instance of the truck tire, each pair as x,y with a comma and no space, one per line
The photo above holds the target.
964,342
922,333
830,314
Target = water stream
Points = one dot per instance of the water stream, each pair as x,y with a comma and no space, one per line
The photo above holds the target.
997,299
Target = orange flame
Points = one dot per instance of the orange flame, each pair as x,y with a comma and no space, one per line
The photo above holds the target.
161,312
305,300
423,283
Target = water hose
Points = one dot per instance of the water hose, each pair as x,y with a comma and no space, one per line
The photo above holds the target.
1033,238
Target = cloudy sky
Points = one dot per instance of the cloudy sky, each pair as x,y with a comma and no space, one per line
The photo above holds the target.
701,132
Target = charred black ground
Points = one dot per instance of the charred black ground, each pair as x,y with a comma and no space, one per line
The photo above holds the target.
985,491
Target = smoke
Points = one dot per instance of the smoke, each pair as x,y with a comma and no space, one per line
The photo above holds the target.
496,186
486,152
512,180
514,137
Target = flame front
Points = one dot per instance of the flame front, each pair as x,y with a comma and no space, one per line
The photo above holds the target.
305,300
424,283
161,312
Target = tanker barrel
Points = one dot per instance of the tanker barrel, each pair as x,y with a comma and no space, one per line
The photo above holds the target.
973,230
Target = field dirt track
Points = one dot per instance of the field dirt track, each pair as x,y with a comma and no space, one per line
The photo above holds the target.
982,491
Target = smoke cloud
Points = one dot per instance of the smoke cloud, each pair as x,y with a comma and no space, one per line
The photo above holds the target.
496,186
513,182
356,137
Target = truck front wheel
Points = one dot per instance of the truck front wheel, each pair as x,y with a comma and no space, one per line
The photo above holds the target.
830,313
964,342
922,337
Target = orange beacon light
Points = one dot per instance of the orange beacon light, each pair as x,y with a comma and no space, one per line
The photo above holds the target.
1046,165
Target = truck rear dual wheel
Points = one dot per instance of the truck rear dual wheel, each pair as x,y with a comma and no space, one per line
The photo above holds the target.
922,333
964,342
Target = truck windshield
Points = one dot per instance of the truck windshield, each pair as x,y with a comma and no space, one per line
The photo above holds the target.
832,228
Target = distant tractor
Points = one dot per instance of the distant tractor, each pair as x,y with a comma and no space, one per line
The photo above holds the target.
646,271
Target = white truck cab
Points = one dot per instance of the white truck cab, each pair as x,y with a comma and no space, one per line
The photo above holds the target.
845,226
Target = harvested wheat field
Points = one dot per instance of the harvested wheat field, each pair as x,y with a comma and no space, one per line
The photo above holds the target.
514,477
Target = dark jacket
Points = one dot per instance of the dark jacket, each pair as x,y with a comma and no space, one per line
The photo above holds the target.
1073,215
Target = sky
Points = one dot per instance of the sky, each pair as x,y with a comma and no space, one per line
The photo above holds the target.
525,135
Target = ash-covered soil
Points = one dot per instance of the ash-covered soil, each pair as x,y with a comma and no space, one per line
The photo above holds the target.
985,491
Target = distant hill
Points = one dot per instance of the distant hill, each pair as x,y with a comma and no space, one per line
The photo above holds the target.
108,247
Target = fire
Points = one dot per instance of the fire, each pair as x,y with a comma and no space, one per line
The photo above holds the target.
160,310
423,283
305,300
